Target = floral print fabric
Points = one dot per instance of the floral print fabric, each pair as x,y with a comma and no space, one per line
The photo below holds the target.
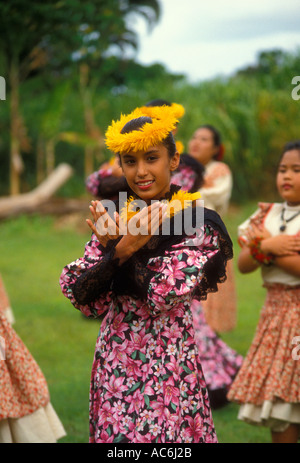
269,371
184,177
220,363
93,180
147,383
23,388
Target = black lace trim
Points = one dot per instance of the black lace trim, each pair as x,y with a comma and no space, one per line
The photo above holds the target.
97,280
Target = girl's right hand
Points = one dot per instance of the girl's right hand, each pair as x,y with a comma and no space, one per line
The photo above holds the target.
281,245
104,227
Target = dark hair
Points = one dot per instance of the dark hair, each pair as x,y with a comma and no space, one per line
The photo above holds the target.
216,134
289,146
139,122
136,124
158,102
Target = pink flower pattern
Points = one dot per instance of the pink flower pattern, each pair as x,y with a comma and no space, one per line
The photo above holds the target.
146,383
220,363
185,178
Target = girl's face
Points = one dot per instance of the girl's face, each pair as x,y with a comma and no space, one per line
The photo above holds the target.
202,146
288,177
148,174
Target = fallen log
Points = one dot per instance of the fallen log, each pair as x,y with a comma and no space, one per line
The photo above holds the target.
35,199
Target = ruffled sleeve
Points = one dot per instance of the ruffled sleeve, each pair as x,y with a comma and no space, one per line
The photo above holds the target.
102,184
86,282
217,195
257,218
189,175
188,271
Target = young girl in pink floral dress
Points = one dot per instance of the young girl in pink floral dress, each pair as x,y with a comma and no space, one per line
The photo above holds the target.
220,363
147,383
268,383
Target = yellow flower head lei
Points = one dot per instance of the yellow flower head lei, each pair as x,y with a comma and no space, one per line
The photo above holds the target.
180,200
178,110
154,111
179,146
151,134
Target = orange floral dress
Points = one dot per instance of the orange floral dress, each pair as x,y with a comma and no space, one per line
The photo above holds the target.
26,414
268,383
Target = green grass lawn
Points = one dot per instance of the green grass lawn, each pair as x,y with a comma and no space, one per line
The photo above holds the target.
33,252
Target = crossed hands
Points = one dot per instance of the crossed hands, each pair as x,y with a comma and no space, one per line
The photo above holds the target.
279,245
134,234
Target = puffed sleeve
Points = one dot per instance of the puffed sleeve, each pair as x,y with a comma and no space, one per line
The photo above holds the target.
188,271
102,184
189,175
257,218
93,181
217,195
86,282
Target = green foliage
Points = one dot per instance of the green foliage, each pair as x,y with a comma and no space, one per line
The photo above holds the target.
66,27
253,109
51,39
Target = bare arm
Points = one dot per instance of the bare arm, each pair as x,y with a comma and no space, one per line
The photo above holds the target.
246,263
291,264
281,247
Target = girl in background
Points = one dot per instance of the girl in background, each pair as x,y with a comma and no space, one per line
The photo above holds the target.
268,383
206,147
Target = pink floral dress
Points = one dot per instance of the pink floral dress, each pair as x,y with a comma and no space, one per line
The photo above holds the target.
147,384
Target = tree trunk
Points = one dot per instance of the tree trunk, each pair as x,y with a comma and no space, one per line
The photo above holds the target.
28,202
88,161
16,162
50,156
40,160
90,125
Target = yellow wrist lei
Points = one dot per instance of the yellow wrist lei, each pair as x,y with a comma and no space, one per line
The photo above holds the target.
180,200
